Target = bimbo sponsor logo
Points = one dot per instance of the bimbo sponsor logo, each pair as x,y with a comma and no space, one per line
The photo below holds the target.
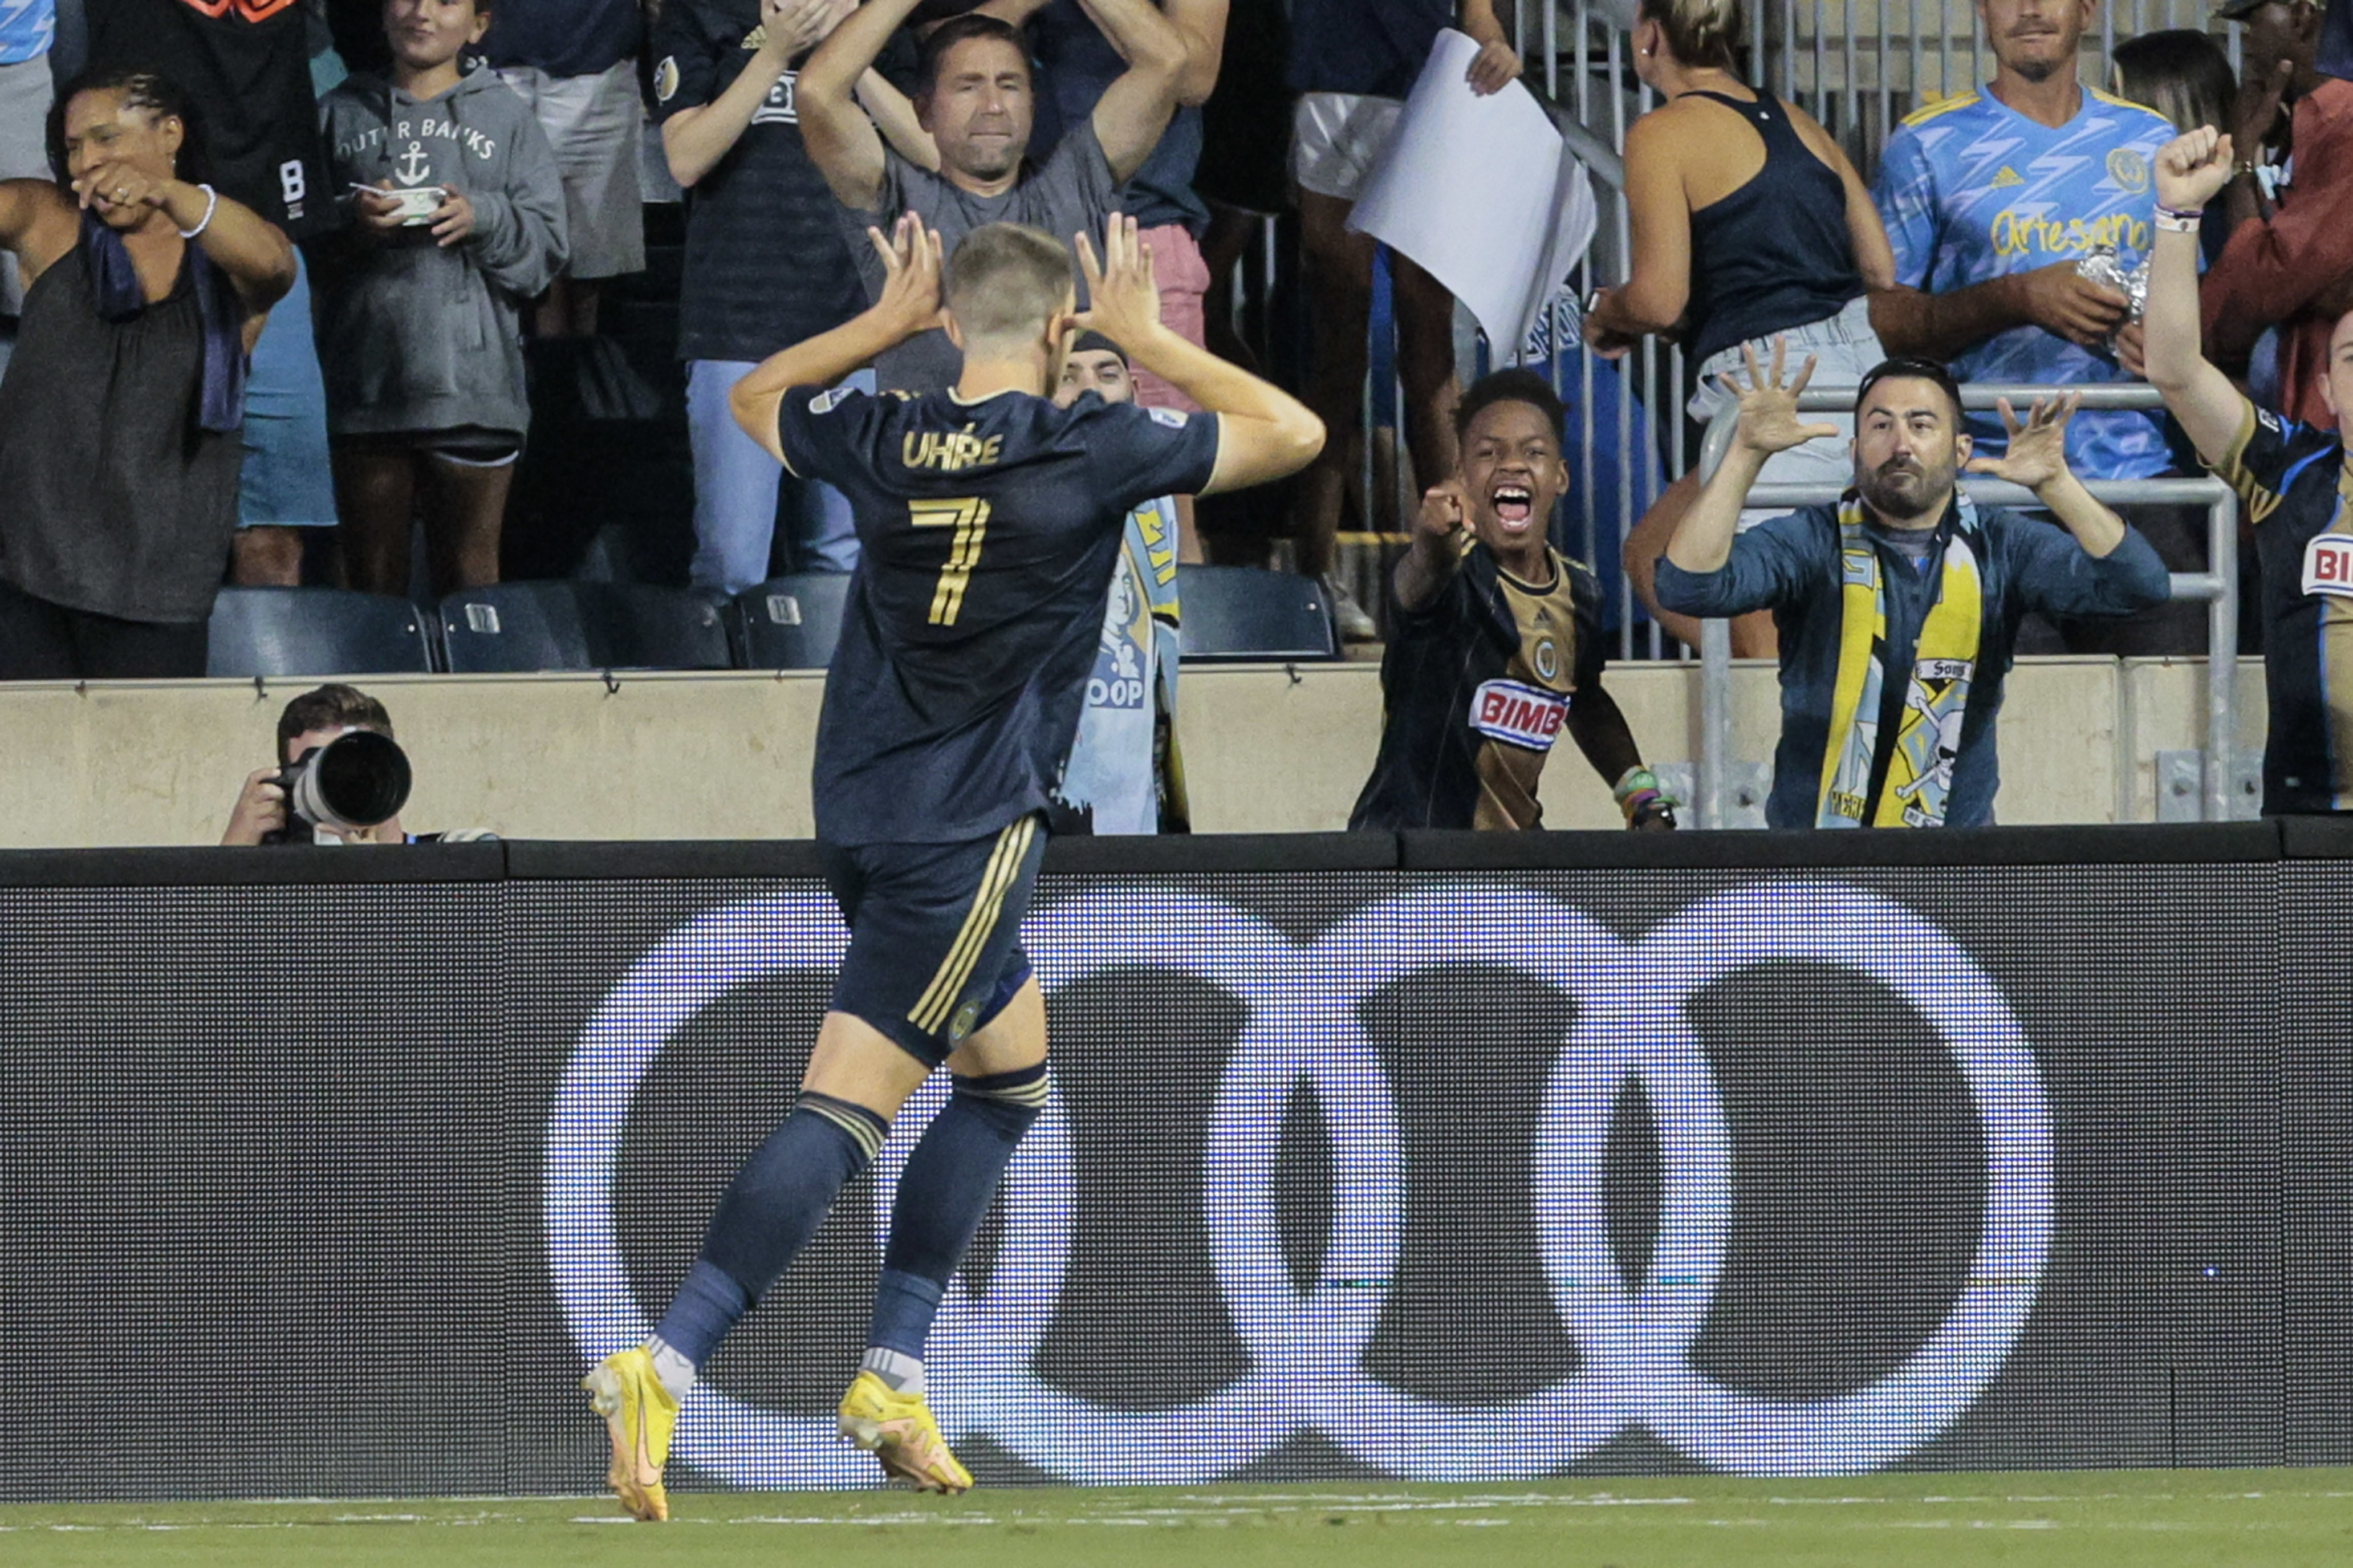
2328,564
1523,715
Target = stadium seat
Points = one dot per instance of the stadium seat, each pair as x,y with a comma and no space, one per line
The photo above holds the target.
513,628
790,623
1241,613
636,626
316,632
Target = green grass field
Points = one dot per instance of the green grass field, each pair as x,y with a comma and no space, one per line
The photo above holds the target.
2278,1518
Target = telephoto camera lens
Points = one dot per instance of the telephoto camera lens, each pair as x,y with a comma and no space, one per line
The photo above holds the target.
356,780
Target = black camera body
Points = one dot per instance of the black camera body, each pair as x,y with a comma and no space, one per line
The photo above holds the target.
355,781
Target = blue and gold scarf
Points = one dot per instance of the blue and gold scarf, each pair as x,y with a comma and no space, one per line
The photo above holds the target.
1928,732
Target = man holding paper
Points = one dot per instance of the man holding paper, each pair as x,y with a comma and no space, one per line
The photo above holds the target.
1353,62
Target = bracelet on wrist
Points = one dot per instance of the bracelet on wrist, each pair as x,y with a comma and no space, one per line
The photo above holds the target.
1633,780
2192,213
2177,223
1633,804
1642,798
212,206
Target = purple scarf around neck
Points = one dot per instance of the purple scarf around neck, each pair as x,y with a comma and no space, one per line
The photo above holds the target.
116,291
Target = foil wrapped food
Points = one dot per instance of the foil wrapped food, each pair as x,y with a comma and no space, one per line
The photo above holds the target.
2100,265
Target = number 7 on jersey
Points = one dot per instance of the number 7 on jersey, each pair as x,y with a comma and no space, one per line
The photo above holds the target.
969,515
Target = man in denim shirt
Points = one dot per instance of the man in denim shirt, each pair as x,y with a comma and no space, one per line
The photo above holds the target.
1898,607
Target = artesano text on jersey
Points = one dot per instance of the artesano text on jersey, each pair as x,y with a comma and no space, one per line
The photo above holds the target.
1971,190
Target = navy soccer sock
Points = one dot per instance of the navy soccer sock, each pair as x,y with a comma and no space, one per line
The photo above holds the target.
772,1208
949,1180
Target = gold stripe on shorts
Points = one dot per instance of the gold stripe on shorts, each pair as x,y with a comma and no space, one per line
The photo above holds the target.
931,1010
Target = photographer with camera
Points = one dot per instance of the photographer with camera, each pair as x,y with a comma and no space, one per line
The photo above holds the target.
340,778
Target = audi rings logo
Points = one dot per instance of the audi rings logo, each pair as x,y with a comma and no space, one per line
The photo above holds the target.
1306,1351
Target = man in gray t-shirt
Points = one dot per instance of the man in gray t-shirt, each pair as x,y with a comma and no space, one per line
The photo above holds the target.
975,101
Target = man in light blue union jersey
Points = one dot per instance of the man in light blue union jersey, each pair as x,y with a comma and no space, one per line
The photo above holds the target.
1992,198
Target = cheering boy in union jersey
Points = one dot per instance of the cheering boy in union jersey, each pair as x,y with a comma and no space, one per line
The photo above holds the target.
990,520
1495,642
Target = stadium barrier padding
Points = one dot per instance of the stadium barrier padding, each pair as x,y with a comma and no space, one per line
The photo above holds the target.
1437,1155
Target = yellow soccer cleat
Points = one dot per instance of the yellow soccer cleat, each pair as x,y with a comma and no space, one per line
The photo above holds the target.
898,1430
640,1416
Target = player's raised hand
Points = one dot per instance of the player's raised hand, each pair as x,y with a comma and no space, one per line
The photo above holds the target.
2192,167
911,263
1122,296
1769,403
2038,447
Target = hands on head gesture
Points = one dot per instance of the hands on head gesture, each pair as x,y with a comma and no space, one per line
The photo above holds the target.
795,26
912,262
1769,403
2038,448
1122,296
2192,167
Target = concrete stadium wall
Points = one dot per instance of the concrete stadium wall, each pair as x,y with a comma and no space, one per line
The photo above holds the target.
1267,749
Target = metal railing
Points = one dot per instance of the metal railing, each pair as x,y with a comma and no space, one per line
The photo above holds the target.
2218,584
1857,66
1580,67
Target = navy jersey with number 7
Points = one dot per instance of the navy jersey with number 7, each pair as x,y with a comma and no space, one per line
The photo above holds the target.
988,533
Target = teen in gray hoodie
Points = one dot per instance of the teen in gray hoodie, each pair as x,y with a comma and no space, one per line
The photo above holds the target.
419,301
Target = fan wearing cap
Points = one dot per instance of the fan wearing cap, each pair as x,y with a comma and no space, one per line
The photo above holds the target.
1496,644
1125,774
2289,267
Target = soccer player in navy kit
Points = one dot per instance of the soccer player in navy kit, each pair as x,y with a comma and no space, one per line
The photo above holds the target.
990,520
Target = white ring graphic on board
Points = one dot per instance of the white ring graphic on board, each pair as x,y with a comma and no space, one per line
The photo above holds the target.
1305,1349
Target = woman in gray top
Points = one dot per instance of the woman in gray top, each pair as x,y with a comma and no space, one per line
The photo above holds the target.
119,418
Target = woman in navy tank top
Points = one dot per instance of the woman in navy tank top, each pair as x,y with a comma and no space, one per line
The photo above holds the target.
1749,223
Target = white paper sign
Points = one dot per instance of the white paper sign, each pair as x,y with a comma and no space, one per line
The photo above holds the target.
1482,192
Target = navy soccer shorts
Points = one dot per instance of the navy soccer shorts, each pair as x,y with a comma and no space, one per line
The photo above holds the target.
934,934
